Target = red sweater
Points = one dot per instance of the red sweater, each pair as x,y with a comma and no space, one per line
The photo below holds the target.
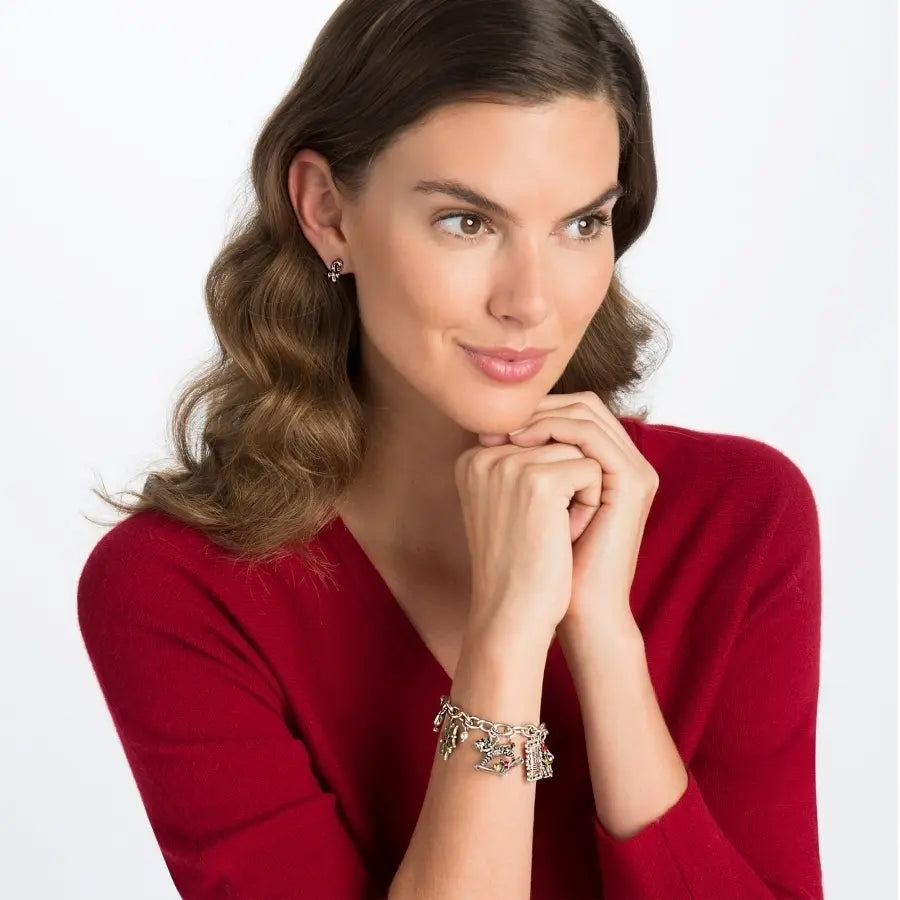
250,705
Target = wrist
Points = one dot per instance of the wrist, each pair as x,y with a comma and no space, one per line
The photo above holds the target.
494,633
500,677
594,649
499,642
620,628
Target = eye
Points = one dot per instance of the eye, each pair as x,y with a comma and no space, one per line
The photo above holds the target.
467,221
602,222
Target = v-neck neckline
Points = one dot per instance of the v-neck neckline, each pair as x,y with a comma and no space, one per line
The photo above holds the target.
385,603
392,613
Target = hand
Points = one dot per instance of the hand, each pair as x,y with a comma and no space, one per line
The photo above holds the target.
607,537
515,503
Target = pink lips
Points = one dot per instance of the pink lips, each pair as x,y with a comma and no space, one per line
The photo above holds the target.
510,353
526,366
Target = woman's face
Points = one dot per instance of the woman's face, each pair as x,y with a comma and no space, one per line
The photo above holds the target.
436,270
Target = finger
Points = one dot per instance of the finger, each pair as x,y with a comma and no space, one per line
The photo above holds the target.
574,412
548,455
587,473
585,434
492,440
593,402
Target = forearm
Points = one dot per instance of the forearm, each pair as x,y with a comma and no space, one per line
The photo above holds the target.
637,773
474,833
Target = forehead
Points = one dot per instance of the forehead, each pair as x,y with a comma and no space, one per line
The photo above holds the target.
573,138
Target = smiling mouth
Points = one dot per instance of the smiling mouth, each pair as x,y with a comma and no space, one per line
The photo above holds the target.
505,370
508,354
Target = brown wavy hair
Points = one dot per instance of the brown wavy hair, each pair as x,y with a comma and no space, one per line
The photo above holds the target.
281,426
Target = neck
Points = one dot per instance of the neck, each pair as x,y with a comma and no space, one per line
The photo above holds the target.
404,501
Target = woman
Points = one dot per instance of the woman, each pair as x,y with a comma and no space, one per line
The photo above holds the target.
419,499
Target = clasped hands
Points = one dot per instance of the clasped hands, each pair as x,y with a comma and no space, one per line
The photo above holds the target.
607,537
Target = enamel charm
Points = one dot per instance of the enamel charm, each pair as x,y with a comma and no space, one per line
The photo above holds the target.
496,757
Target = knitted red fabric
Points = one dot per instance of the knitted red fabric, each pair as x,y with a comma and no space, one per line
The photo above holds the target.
243,700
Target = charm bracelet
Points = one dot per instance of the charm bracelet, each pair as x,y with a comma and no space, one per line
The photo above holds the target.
498,754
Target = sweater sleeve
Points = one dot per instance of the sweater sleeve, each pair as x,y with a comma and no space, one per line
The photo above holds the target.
229,790
746,825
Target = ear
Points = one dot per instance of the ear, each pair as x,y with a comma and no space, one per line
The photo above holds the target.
318,205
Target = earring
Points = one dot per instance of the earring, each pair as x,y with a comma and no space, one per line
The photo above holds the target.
334,270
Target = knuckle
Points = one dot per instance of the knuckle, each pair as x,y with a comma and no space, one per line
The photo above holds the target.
464,464
650,482
508,466
532,476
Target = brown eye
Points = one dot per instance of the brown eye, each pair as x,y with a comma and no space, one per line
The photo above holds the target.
469,225
587,224
600,221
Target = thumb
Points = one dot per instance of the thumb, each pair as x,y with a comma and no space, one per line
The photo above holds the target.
492,440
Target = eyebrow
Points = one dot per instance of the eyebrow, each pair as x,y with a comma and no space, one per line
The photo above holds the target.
470,195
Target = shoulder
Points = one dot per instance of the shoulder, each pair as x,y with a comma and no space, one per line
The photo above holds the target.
150,565
147,537
147,530
746,469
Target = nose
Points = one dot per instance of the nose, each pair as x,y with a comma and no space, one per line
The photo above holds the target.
521,289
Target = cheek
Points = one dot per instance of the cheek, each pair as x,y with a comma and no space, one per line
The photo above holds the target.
582,303
432,287
404,304
586,287
394,286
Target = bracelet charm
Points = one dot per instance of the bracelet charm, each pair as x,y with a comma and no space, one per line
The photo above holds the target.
538,759
498,754
490,747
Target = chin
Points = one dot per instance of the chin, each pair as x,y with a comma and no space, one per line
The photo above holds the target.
499,416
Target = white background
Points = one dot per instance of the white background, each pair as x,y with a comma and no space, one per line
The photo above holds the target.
127,132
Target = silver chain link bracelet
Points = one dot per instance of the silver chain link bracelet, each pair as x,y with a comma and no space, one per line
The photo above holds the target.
498,754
